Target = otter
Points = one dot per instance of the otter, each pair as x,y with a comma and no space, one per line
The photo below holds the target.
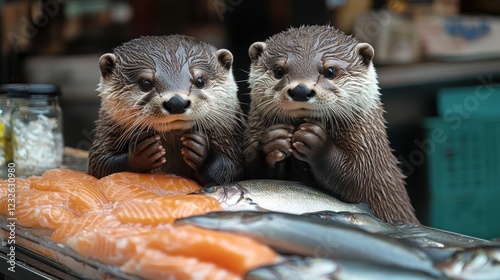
168,104
316,116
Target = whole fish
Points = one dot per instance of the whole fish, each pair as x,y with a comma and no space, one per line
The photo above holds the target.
306,268
277,195
365,221
434,237
422,235
298,268
476,263
314,237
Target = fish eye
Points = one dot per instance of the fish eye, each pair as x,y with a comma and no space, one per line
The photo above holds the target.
200,82
146,85
330,73
279,72
210,189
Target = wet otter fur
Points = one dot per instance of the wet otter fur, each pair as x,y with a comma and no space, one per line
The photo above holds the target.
316,116
169,104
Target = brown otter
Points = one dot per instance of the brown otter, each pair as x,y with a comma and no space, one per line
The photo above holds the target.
169,103
316,116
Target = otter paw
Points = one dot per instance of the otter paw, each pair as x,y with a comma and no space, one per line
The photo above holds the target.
145,152
309,141
195,150
276,143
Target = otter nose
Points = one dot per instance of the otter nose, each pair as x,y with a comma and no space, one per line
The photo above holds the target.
176,105
301,93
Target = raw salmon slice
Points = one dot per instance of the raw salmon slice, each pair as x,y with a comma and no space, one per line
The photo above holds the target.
28,198
85,196
60,177
233,252
4,192
18,183
164,210
113,246
154,264
45,216
158,183
35,208
87,222
117,188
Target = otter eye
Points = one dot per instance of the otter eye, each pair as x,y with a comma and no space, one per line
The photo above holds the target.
279,72
200,82
146,85
330,73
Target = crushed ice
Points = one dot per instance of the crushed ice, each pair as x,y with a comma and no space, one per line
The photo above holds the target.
38,144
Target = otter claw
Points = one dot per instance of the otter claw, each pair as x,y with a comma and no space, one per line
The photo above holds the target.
276,156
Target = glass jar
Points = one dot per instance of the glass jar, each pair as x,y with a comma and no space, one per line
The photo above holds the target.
36,123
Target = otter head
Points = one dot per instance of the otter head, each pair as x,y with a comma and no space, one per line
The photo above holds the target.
167,83
315,72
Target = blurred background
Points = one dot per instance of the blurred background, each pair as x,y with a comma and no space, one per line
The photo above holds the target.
438,63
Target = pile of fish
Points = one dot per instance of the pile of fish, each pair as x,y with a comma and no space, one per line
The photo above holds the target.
160,226
321,237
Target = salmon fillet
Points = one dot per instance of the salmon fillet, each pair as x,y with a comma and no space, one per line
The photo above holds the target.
58,178
114,245
164,210
85,223
82,188
140,183
121,245
34,208
153,264
233,252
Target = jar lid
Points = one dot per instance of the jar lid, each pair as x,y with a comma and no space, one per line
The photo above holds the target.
30,90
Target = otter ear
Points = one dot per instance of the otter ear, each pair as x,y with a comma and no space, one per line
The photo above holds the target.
225,58
107,63
255,51
366,53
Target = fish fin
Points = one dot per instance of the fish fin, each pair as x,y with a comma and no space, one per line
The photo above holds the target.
366,207
256,206
261,209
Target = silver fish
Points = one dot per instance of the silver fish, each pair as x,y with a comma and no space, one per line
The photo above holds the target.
365,221
477,263
309,236
295,268
434,237
277,195
422,235
305,268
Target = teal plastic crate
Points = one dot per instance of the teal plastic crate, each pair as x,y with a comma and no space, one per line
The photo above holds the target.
480,101
475,214
464,175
